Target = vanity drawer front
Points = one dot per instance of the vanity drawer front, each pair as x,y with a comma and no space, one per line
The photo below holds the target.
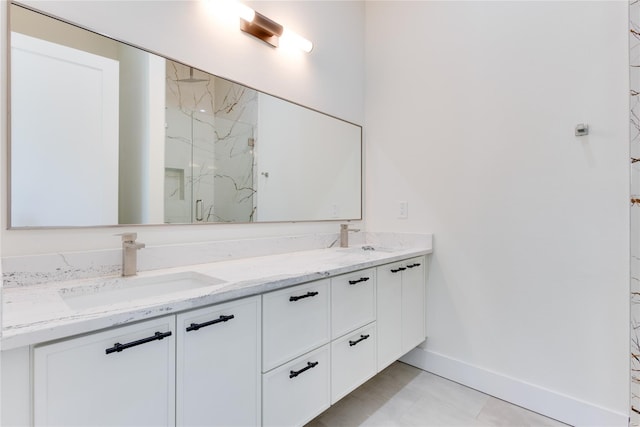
295,393
294,321
353,361
353,301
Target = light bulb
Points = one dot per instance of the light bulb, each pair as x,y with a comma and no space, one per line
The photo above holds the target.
245,12
231,9
289,38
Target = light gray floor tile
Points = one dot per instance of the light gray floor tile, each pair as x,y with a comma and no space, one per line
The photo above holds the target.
402,395
440,392
346,412
500,413
432,412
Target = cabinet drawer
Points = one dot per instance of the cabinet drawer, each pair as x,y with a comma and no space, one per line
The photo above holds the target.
353,361
353,301
295,321
295,393
218,365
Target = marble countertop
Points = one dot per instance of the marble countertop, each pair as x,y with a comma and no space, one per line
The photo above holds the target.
38,313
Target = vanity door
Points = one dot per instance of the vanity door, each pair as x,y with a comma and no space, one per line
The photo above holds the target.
218,365
413,304
400,308
389,313
120,377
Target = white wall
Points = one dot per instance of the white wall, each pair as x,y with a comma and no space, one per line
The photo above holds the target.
142,134
329,79
471,109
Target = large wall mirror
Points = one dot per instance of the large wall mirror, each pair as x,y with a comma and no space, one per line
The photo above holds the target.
103,133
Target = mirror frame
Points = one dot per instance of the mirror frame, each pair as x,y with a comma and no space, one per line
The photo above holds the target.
8,174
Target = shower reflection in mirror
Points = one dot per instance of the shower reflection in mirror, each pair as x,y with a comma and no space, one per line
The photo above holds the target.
209,132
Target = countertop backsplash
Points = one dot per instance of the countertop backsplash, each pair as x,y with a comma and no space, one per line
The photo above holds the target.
56,267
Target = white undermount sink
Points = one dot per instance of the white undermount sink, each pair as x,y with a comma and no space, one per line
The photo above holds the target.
114,291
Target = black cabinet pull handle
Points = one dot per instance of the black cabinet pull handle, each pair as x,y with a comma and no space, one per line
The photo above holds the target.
362,279
196,326
307,295
362,338
413,265
398,269
293,374
117,347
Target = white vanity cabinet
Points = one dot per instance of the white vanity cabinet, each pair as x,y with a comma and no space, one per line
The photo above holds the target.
278,358
400,308
122,376
218,365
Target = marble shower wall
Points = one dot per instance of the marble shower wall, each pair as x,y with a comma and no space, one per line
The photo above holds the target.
209,160
634,57
189,143
236,126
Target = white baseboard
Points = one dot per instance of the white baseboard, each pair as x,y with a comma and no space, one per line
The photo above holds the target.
543,401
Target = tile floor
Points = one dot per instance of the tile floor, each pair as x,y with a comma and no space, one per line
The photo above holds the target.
402,395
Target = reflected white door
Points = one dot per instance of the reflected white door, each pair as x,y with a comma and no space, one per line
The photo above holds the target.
64,135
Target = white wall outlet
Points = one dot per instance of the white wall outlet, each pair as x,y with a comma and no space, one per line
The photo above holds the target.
403,210
334,211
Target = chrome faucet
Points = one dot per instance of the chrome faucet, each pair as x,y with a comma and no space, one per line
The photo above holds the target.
344,235
130,253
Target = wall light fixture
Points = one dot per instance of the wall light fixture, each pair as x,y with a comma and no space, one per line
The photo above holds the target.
269,31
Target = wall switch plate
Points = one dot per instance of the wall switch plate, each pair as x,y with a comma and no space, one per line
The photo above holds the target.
403,210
